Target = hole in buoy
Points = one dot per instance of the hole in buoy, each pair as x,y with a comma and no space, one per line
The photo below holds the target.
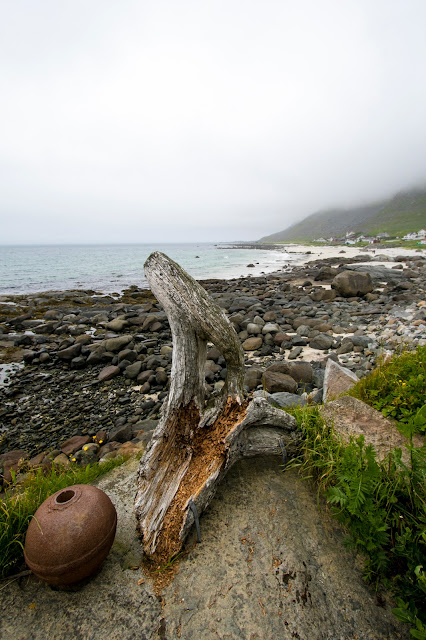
65,496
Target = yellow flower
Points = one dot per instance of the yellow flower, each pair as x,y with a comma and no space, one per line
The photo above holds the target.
74,460
100,441
93,437
84,448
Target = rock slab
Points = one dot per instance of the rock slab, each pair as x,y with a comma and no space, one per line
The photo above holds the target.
271,565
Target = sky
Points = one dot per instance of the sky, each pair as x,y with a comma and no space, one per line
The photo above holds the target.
203,120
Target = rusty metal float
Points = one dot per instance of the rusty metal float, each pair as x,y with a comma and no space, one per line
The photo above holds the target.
70,534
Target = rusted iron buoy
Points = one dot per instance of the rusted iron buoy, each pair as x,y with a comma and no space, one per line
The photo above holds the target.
70,534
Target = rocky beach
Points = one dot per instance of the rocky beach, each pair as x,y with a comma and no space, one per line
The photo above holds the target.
84,374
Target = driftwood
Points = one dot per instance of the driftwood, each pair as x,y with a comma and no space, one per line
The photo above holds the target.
195,444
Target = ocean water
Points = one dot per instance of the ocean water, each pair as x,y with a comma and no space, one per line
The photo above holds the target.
112,268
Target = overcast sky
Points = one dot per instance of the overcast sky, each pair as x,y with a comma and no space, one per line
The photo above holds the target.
203,120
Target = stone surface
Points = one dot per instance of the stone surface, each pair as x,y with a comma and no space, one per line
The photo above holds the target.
74,444
352,417
108,372
275,381
271,565
337,380
251,344
350,283
299,371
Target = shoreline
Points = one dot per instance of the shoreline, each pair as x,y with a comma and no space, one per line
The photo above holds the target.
95,364
304,253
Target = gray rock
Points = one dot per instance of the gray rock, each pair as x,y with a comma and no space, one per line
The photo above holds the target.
132,370
108,372
251,344
295,353
337,380
127,354
117,344
253,329
352,417
118,324
322,342
122,433
270,327
252,378
350,284
299,371
283,399
275,381
70,352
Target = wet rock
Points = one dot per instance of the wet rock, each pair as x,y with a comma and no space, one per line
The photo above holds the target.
122,433
133,370
108,372
70,352
74,444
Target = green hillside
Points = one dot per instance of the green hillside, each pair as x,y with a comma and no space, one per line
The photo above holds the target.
397,216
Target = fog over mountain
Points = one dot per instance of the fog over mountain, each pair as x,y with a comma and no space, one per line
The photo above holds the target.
204,121
404,213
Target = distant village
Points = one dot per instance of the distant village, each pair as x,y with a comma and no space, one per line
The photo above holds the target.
352,238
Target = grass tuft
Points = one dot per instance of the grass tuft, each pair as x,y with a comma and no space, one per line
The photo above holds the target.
20,503
381,504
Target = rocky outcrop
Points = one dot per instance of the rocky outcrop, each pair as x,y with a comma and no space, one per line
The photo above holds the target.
351,417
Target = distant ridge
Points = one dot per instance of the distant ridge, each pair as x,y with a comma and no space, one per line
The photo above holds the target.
401,214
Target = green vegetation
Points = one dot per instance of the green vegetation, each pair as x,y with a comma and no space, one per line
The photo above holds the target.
381,504
19,505
404,213
397,388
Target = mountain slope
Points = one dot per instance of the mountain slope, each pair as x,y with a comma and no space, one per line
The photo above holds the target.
399,215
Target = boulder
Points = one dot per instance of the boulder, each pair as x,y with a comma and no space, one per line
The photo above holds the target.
322,341
253,329
337,380
350,283
299,371
352,417
133,370
275,381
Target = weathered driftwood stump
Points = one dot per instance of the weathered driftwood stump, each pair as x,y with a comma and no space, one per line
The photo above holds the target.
195,444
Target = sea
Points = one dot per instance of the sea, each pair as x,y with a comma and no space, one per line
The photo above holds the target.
110,268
